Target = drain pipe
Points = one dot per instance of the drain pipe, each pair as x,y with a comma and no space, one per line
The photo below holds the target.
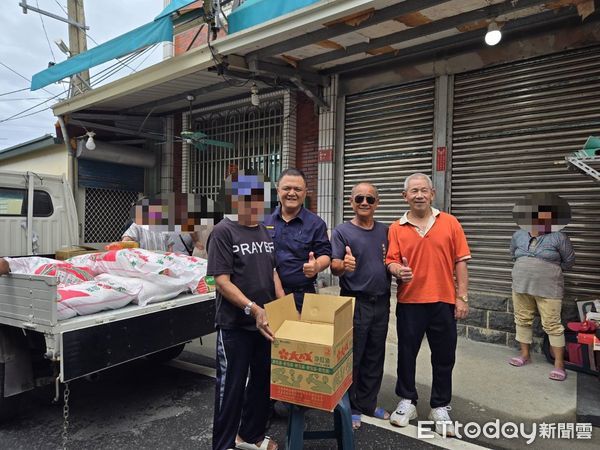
71,164
72,170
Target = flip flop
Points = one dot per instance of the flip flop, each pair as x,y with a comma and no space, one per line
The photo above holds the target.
558,374
356,421
518,361
263,446
381,413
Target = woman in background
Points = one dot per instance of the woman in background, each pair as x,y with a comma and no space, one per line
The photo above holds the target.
540,253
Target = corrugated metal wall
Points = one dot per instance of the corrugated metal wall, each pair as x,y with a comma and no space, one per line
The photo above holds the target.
388,136
513,126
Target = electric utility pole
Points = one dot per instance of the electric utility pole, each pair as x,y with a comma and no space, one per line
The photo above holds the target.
77,44
77,38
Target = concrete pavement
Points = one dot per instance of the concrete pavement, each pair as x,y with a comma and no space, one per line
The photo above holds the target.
486,388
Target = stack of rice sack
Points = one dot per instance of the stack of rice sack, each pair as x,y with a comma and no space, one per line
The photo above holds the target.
100,281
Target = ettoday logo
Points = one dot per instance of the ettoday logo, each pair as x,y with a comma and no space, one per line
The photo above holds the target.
509,430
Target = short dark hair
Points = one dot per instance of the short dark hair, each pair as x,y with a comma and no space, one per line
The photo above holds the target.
292,172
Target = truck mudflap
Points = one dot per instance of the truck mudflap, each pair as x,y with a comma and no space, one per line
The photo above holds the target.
15,362
89,350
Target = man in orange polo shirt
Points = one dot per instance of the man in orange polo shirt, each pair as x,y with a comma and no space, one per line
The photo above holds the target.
427,249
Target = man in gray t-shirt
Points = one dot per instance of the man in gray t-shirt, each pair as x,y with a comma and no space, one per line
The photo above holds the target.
358,258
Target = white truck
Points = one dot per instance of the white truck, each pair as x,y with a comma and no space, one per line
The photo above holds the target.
37,216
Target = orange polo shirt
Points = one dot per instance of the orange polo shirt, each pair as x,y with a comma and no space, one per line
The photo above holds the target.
432,258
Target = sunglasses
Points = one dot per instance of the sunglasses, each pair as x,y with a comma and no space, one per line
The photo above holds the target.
361,198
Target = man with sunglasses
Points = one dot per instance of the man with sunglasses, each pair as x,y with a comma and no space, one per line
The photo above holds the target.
358,258
427,249
300,236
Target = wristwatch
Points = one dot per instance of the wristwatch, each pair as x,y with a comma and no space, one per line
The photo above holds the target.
464,298
248,308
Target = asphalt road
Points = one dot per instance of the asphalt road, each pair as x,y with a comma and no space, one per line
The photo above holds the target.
142,405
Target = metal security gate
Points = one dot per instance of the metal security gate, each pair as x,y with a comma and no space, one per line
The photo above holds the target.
388,136
107,214
257,137
513,126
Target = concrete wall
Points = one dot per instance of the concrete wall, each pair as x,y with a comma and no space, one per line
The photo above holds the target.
52,160
491,320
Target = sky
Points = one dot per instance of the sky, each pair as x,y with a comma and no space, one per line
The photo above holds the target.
24,51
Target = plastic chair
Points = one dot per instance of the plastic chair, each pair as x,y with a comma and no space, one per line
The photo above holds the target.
342,432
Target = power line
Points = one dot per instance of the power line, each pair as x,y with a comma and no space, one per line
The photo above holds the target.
23,116
19,115
14,92
23,99
111,70
45,32
22,76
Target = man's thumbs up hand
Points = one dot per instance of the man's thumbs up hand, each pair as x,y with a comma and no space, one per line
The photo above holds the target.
349,260
311,268
404,272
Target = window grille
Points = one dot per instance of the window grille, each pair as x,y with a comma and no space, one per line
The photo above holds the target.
257,137
107,213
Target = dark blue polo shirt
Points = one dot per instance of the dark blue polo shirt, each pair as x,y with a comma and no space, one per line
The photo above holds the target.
294,240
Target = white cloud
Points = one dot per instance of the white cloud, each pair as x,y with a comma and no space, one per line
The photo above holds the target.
24,49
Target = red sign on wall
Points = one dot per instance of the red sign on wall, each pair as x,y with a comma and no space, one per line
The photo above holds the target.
326,155
441,159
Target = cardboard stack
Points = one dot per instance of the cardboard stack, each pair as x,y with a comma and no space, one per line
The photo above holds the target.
68,252
311,357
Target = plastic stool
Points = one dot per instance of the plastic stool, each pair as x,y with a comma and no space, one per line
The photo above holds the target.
342,432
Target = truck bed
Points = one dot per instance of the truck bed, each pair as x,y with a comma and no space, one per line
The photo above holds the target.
88,344
29,301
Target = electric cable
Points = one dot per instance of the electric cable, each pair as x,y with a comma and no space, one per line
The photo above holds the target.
22,76
45,32
14,92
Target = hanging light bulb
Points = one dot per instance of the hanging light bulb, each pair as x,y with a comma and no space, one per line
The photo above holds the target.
493,35
90,144
254,98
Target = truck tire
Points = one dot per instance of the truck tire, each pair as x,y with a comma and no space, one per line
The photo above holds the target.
167,354
9,406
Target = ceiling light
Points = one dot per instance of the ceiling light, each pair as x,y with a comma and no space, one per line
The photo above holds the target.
254,98
90,144
493,35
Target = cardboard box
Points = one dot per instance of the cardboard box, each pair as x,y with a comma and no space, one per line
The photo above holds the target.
311,357
68,252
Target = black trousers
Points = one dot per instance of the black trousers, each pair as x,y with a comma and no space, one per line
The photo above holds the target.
240,351
371,318
436,320
299,292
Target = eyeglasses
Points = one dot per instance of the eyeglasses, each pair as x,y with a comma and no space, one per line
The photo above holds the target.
361,198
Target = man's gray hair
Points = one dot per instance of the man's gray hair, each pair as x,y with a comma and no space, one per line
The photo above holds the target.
417,175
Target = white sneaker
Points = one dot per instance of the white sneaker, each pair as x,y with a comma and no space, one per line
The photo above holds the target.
443,424
405,412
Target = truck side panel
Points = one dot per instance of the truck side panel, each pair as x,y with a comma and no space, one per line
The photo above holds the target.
89,350
28,299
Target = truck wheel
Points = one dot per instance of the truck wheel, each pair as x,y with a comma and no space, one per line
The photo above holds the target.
8,405
167,354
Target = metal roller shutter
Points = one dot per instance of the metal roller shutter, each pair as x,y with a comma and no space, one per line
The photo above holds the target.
388,136
513,126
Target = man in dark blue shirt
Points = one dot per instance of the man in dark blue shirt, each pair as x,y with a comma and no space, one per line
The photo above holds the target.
359,249
302,247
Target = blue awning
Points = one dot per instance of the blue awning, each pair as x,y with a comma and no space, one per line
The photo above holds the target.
160,30
254,12
174,6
